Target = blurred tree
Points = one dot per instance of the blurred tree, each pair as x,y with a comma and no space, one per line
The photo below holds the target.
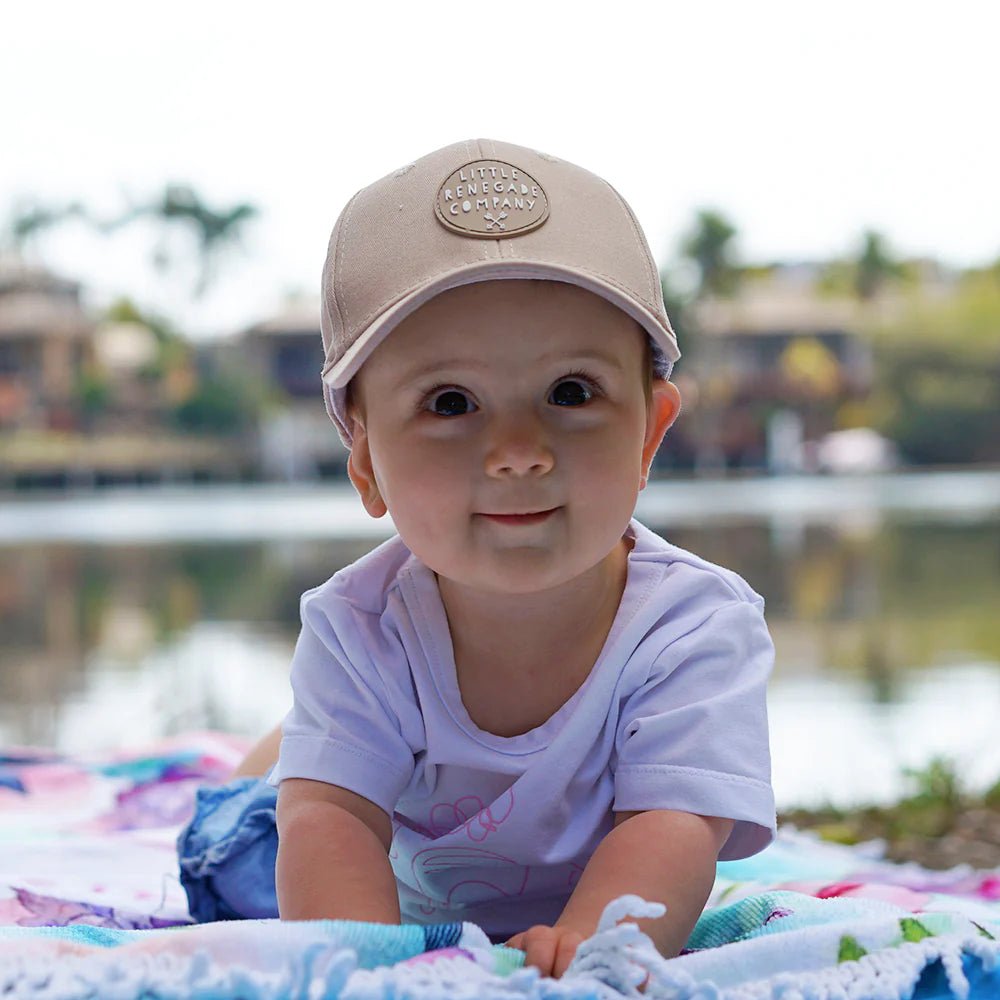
705,251
93,393
868,272
173,350
836,278
709,246
218,405
678,306
29,217
215,230
124,310
938,372
196,399
874,266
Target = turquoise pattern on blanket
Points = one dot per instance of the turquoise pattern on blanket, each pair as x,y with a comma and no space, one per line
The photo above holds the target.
374,945
270,959
91,905
782,912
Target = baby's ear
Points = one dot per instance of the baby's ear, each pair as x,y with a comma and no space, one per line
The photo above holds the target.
664,405
361,471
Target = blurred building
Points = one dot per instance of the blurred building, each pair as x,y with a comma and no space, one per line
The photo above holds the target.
296,438
768,376
776,365
84,401
124,352
46,340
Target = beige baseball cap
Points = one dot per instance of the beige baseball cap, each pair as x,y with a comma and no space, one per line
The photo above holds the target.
477,210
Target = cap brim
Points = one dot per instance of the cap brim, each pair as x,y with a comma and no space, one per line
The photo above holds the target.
336,376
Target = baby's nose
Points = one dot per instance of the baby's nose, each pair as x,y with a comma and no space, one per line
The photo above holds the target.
518,446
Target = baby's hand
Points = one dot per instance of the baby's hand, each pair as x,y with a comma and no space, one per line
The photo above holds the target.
549,949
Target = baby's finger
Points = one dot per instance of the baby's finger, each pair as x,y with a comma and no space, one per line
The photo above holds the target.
541,952
568,944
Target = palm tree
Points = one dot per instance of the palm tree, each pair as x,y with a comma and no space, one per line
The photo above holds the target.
215,229
874,266
709,246
29,218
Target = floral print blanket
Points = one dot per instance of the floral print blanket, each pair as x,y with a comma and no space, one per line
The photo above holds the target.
91,906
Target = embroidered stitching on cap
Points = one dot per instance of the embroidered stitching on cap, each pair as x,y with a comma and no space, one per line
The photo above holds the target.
491,199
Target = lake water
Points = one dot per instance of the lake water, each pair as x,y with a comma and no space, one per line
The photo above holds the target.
134,614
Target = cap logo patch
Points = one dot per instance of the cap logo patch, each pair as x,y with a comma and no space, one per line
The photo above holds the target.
491,199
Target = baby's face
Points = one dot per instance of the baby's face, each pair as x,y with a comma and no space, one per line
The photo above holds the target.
508,397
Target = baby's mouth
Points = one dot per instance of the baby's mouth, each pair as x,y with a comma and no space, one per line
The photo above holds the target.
534,518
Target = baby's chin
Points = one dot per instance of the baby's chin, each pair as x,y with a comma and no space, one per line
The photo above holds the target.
515,573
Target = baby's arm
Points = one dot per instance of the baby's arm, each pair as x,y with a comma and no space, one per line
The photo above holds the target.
664,856
333,855
261,757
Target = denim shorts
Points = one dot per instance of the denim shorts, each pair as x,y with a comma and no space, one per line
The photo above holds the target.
228,850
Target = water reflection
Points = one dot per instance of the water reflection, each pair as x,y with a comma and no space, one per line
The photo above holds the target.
69,612
105,643
870,600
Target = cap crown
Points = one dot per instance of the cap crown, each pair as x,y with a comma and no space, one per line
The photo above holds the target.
476,210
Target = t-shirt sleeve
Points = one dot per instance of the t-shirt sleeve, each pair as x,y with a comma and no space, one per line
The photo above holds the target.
694,737
345,724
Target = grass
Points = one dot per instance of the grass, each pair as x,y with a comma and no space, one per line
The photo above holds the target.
938,823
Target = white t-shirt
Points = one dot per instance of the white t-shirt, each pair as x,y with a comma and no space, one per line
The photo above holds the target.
495,829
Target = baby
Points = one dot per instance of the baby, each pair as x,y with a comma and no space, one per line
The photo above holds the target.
525,703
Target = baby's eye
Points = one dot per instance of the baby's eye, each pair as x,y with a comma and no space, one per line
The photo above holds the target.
574,389
446,402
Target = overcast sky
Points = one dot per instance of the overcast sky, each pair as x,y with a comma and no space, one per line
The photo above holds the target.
804,121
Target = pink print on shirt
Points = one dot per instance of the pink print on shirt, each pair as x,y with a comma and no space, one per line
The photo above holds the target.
456,875
474,868
479,819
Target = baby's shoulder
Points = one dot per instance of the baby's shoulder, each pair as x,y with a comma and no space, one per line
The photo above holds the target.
365,585
689,578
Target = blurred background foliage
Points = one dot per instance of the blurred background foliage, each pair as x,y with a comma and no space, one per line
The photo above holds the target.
937,359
